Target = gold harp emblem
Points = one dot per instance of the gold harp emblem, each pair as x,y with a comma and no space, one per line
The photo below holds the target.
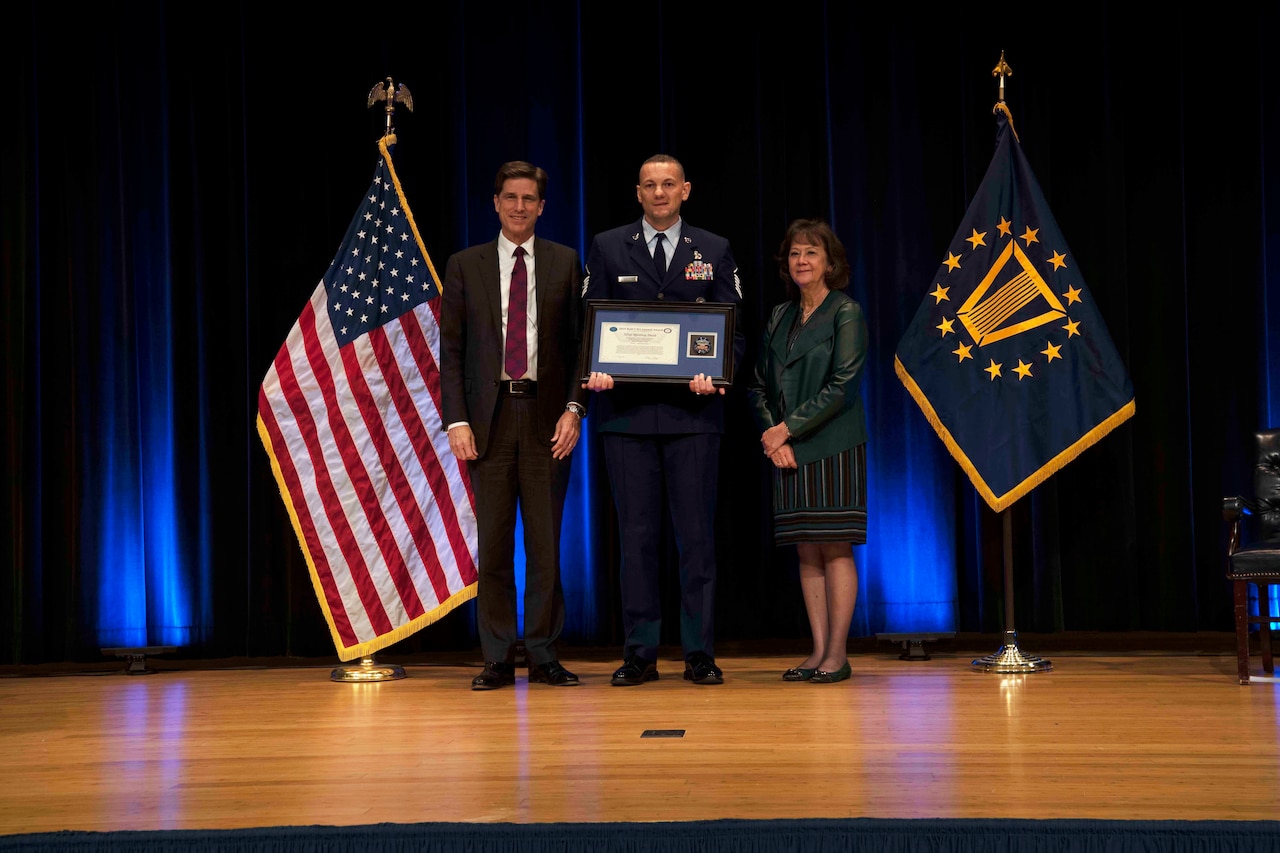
988,311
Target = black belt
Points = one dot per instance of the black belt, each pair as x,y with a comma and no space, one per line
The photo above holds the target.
518,387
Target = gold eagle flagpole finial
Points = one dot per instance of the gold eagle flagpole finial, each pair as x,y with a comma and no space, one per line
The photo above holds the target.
387,91
1002,70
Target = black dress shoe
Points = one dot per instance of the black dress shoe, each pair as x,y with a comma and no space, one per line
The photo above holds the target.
701,668
551,673
495,675
635,670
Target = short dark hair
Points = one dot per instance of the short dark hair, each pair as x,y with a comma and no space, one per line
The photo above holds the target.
520,169
663,158
814,232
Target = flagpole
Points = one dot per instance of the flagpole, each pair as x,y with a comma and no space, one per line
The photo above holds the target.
368,669
1009,658
1001,431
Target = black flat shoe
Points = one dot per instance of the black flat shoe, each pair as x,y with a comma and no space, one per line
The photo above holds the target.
551,673
635,670
495,675
822,676
701,669
798,673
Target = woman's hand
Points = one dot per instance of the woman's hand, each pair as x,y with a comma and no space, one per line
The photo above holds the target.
774,437
783,457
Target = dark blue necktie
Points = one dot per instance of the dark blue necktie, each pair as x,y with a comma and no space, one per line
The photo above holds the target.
660,257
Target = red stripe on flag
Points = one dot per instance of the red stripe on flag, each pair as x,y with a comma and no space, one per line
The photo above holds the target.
301,511
419,527
352,546
394,476
430,372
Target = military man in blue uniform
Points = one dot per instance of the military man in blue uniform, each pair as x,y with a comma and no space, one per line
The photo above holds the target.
662,441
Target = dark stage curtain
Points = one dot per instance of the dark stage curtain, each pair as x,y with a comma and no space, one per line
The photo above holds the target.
175,183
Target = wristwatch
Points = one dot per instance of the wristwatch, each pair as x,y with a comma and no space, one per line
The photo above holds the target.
577,409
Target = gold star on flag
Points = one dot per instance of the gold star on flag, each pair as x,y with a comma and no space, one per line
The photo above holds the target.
1004,227
952,261
1030,235
963,352
1072,328
1023,370
1058,260
976,240
939,293
1072,295
1051,352
945,326
994,369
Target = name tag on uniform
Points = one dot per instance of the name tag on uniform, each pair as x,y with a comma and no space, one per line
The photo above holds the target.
628,279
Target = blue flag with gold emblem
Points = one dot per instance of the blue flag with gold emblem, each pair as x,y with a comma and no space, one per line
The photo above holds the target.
1007,356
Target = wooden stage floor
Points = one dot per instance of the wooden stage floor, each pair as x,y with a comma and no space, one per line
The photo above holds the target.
1127,735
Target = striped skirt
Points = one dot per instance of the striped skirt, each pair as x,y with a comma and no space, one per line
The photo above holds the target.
824,501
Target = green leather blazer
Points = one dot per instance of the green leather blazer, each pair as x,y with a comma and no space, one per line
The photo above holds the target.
816,386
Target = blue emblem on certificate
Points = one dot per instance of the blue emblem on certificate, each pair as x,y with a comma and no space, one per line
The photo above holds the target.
702,344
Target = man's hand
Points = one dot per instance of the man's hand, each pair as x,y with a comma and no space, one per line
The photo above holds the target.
568,428
598,382
702,385
463,443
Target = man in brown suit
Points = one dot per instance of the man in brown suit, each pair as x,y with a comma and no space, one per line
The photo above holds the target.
510,328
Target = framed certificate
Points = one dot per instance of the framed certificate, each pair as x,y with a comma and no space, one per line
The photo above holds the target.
659,341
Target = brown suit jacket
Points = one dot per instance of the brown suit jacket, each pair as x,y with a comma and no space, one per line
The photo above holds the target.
471,344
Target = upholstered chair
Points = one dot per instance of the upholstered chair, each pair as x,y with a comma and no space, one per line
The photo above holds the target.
1253,551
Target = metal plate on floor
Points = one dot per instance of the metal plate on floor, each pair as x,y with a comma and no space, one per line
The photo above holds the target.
662,733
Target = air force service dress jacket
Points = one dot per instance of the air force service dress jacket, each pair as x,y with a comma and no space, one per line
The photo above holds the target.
701,269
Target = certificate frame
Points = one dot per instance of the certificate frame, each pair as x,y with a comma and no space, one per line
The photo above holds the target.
628,340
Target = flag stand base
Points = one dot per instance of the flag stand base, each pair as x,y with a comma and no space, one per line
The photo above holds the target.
367,670
1009,658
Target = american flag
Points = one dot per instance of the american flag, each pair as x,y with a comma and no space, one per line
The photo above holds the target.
350,415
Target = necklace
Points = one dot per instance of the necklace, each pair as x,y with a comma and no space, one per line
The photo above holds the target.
806,313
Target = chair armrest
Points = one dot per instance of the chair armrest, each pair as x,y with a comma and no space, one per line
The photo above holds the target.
1235,506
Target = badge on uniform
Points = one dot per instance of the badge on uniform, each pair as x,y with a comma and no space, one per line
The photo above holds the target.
699,270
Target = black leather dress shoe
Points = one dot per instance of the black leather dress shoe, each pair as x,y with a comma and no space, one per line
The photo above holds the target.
701,668
551,673
495,675
635,670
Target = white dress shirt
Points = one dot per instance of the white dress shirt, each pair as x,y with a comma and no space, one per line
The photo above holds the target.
651,238
506,264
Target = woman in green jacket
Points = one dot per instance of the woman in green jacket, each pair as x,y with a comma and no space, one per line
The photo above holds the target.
806,400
